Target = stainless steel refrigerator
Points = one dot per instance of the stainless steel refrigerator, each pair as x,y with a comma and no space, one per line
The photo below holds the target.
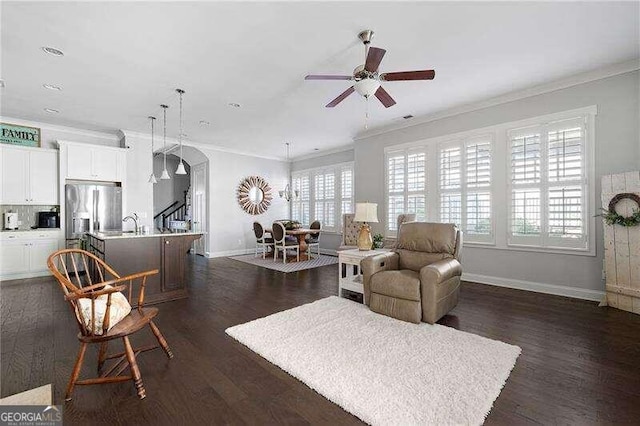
91,207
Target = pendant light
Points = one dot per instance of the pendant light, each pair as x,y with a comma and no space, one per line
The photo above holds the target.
287,193
180,170
165,173
152,177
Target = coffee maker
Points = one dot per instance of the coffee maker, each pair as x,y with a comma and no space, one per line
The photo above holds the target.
10,221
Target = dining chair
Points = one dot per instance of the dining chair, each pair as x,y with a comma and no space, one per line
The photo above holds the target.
93,290
282,243
314,237
262,242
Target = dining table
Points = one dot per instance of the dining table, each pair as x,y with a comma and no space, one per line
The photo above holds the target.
301,235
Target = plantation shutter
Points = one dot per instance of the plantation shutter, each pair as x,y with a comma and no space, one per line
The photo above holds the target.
300,205
478,220
548,185
346,191
395,188
566,187
450,167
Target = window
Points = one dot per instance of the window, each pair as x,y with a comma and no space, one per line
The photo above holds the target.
346,191
325,194
325,200
465,186
300,205
548,185
406,185
525,185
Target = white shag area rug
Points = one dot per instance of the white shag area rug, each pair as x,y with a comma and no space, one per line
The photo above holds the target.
268,263
380,369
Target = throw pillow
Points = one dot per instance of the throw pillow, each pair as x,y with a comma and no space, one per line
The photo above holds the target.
120,308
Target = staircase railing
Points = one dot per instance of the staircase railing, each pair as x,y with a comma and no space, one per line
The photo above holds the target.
177,213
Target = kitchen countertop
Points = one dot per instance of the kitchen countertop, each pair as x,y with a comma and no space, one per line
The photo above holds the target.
112,235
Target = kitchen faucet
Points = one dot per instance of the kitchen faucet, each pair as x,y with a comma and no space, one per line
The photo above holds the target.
133,217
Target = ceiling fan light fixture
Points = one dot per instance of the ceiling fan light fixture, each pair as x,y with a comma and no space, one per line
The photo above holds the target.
367,87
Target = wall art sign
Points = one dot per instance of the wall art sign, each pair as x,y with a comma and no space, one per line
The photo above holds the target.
12,134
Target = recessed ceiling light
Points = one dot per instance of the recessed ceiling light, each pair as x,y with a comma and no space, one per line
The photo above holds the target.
52,87
53,51
51,110
204,123
233,104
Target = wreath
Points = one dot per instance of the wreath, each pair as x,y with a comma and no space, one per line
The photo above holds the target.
612,217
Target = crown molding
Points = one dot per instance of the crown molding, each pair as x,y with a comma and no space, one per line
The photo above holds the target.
574,80
201,146
322,153
83,132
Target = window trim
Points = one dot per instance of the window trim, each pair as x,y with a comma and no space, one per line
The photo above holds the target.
500,175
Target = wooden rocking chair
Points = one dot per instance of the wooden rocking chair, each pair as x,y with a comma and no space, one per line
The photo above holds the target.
69,267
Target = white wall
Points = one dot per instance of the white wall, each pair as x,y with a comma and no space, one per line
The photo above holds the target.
230,228
617,150
138,192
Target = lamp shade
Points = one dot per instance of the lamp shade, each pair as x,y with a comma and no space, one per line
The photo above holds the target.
180,170
366,212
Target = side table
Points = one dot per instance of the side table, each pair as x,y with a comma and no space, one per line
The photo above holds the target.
351,279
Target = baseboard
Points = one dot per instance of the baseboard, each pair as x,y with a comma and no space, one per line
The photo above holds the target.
558,290
329,252
227,253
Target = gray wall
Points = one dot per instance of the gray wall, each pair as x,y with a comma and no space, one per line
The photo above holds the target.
166,192
329,241
230,228
323,160
617,150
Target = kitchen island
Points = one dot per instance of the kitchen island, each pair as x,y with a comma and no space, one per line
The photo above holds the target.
128,253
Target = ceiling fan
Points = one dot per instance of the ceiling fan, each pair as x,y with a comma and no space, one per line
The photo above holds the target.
366,76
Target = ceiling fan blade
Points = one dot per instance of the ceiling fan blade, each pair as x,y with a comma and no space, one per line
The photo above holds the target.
340,98
384,97
374,57
408,75
328,77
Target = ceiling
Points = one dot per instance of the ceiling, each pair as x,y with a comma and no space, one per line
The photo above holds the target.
124,59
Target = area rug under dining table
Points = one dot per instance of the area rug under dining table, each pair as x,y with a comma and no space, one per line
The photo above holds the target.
290,266
380,369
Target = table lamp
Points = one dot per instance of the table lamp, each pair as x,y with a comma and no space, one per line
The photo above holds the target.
365,212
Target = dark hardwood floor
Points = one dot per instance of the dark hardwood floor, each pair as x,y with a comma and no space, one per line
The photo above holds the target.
580,364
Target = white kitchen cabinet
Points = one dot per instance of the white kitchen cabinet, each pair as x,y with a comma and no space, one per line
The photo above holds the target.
29,176
95,162
39,252
14,257
24,254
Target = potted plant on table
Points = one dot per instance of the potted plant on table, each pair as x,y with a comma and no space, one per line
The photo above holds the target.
378,241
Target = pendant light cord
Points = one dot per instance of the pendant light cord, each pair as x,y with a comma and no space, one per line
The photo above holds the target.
180,92
164,144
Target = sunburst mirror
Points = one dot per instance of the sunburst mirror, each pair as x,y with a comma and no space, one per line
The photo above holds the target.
254,195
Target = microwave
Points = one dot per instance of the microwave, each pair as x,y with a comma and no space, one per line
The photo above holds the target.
48,220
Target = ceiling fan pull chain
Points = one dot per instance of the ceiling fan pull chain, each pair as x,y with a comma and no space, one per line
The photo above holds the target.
366,112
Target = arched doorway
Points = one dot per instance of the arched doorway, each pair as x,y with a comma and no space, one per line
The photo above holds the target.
181,202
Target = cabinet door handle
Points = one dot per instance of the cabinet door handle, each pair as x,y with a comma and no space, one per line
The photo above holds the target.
166,242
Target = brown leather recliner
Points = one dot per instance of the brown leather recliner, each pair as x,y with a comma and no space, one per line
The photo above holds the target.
420,279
